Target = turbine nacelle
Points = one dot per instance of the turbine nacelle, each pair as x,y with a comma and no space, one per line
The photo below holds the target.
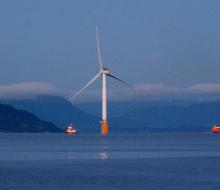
104,71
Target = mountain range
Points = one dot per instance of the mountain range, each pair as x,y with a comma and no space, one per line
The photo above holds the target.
14,120
59,111
195,117
175,115
172,115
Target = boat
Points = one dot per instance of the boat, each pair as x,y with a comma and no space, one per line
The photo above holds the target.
71,130
216,129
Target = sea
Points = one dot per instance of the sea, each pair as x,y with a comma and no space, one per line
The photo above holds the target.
123,161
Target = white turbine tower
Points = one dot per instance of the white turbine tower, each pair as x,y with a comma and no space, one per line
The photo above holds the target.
104,72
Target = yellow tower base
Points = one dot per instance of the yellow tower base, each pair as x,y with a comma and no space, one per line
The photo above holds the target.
104,127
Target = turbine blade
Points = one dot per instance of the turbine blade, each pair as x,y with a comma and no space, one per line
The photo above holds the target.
99,52
119,80
83,88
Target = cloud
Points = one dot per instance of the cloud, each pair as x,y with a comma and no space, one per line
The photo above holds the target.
206,88
202,92
199,92
27,90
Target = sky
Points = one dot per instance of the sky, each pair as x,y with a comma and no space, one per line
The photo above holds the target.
49,46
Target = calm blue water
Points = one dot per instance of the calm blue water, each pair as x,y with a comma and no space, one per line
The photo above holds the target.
152,161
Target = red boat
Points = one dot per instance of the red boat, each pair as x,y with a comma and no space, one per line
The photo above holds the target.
216,129
71,130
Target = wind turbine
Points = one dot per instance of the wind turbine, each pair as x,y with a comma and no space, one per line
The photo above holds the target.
104,72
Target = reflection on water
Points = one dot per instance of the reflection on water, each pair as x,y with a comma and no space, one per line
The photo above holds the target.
103,155
117,146
71,156
57,161
85,155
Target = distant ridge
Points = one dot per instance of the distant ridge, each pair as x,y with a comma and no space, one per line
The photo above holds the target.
59,111
193,118
13,120
130,116
172,115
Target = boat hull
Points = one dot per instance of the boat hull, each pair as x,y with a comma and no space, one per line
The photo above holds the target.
216,129
70,130
71,133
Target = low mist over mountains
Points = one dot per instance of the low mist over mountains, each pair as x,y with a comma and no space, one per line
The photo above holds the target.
13,120
175,115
